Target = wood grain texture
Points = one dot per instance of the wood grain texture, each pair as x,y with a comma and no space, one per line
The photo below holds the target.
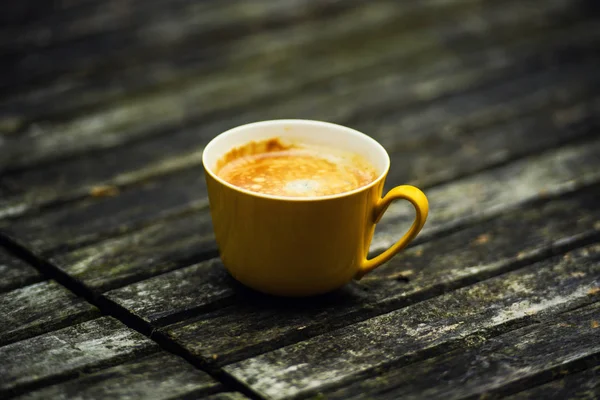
288,45
491,106
550,89
182,65
583,385
427,328
176,294
15,273
254,324
501,365
485,194
153,250
64,354
156,377
95,218
131,119
39,308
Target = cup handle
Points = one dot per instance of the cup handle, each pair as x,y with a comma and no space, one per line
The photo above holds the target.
419,201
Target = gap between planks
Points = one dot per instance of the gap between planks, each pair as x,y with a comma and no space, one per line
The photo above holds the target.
147,329
130,320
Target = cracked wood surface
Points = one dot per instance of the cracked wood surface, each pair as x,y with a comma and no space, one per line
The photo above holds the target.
15,273
65,353
39,308
427,328
158,376
500,365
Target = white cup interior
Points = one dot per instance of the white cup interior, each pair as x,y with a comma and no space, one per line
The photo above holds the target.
298,131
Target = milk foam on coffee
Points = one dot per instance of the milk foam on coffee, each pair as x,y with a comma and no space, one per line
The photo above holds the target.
294,170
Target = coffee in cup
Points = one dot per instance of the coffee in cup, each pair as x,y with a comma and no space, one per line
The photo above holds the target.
291,169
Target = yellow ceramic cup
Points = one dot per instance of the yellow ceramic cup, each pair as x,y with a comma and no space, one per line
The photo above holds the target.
301,246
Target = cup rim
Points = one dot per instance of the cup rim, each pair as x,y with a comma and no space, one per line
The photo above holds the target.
351,131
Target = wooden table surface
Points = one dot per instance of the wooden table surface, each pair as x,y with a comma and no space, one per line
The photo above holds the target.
110,281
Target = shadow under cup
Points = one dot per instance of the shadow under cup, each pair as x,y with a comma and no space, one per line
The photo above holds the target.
294,246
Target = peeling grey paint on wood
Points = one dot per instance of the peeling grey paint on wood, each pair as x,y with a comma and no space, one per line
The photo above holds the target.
15,273
156,377
255,324
67,352
501,365
433,326
40,308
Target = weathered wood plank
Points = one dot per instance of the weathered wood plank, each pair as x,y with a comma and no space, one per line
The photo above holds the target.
208,53
172,244
133,118
428,328
455,148
198,46
15,273
159,248
295,74
253,324
486,194
583,385
547,89
95,218
40,308
104,18
500,365
154,34
173,295
64,354
159,376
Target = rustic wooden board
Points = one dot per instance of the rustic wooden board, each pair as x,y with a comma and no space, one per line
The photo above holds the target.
92,219
156,249
485,194
128,120
177,294
169,245
64,354
583,385
290,47
503,364
255,324
427,328
158,376
16,273
492,107
75,178
93,18
183,64
39,308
